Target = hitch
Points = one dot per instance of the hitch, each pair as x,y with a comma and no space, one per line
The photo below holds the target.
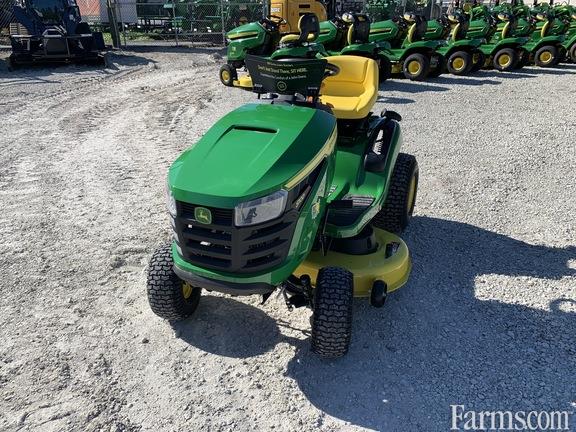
297,292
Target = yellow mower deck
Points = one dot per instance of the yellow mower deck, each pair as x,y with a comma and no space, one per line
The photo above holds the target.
367,269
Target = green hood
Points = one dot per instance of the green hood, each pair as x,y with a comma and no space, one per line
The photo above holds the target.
245,30
251,152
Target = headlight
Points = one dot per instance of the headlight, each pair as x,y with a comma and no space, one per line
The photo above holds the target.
170,201
261,209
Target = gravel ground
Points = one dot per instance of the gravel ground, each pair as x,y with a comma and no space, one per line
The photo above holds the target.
488,318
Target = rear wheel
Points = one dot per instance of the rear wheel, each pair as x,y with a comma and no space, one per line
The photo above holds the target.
505,59
395,215
546,56
332,317
416,67
169,296
227,75
384,68
460,63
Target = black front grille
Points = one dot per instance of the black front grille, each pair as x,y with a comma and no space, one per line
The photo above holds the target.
223,246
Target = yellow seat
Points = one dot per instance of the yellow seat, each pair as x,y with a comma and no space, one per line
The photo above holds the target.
353,91
292,38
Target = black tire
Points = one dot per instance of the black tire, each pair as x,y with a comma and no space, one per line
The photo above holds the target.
332,316
459,63
546,56
395,214
561,57
423,70
523,59
227,75
479,64
505,59
169,296
572,53
384,68
439,69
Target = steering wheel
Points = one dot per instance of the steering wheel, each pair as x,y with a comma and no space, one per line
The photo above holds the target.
273,21
331,70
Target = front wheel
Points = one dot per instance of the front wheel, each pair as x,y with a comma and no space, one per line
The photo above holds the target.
169,296
572,53
478,61
439,69
395,215
227,75
416,67
546,56
332,316
460,63
384,68
505,59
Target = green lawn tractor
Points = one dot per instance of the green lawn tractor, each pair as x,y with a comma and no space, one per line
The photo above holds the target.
301,193
343,36
349,35
544,48
503,50
568,14
410,53
544,32
462,54
257,38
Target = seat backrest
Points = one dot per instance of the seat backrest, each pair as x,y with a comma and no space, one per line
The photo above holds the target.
418,27
309,27
359,30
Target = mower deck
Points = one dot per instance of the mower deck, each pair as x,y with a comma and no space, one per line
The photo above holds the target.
393,267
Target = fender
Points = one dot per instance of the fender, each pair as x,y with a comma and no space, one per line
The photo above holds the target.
568,43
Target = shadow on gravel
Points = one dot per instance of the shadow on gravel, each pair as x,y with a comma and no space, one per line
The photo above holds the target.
406,86
226,327
436,343
469,80
395,100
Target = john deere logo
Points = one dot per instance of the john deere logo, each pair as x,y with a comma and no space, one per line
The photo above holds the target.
203,215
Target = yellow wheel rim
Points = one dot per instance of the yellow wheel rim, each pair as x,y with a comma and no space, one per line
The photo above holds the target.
186,290
458,64
504,60
225,75
414,67
545,56
411,194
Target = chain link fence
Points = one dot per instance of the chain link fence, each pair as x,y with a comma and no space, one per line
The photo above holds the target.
175,23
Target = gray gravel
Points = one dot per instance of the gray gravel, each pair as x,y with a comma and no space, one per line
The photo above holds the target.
488,318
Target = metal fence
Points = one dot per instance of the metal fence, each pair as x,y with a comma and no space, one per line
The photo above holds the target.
175,22
201,21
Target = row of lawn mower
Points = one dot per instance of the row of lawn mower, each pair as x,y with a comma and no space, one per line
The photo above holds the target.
507,36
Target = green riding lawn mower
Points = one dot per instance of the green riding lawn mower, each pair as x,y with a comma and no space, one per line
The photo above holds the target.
346,35
543,46
462,54
410,52
303,193
502,49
